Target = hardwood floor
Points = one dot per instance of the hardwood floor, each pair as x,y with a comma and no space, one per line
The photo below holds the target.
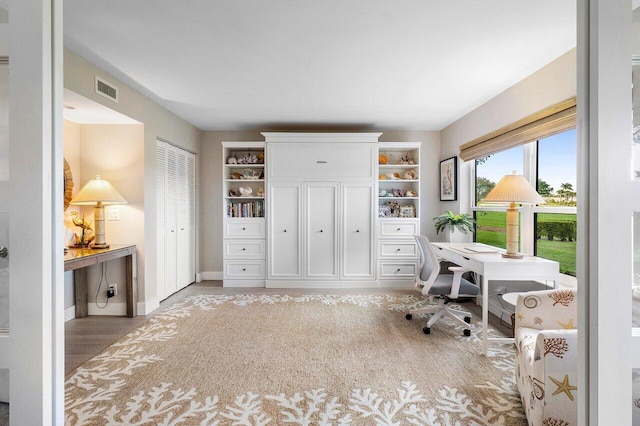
89,336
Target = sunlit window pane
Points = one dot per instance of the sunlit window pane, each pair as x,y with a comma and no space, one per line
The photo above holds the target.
557,169
491,228
556,240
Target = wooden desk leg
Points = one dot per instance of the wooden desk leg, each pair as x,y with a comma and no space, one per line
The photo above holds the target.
130,290
80,285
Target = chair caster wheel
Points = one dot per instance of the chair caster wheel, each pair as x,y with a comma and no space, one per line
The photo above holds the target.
426,330
467,333
467,320
409,316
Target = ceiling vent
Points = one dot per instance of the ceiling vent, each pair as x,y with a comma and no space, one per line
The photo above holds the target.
108,90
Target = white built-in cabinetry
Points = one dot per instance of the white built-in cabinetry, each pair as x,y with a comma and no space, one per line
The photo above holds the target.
398,212
320,230
244,250
312,214
176,218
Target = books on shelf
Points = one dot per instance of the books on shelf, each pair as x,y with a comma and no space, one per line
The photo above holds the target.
246,209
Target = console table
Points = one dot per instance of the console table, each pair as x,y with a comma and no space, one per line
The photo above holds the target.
78,259
492,266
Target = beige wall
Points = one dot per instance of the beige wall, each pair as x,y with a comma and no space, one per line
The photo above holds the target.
211,215
555,82
115,152
79,76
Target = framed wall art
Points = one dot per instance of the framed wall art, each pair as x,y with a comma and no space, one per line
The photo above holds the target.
449,179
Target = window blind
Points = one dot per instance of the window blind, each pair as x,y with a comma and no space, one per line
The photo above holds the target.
551,120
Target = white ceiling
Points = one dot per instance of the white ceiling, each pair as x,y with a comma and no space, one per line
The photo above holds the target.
375,64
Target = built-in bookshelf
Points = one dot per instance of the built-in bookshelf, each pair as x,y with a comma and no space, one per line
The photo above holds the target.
398,180
244,183
398,212
244,214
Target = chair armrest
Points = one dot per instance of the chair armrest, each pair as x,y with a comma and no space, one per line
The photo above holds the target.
547,309
455,283
555,371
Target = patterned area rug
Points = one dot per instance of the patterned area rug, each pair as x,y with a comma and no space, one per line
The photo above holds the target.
307,360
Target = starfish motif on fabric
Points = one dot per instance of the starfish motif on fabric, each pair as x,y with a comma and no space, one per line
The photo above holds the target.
563,386
568,326
520,317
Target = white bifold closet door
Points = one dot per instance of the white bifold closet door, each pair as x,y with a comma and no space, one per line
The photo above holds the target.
175,203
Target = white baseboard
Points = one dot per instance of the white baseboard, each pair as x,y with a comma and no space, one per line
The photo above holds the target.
112,308
69,313
145,308
320,284
210,276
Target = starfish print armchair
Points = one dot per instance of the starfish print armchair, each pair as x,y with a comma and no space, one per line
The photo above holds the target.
546,356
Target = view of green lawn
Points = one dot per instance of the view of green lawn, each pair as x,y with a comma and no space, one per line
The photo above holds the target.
490,229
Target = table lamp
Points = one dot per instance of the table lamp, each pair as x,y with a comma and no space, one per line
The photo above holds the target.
513,189
99,193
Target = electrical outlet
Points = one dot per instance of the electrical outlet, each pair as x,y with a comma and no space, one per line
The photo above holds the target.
110,292
115,289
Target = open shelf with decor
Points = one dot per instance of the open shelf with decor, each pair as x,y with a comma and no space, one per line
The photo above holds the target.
244,182
244,207
398,180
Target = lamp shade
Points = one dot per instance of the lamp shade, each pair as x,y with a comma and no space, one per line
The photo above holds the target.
513,189
97,191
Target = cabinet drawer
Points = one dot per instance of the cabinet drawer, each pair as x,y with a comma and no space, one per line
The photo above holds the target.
239,228
398,269
244,269
244,249
321,160
405,228
394,249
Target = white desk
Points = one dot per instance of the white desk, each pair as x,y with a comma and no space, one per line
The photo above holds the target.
491,267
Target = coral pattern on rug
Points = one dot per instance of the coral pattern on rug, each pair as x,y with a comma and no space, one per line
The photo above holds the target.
90,390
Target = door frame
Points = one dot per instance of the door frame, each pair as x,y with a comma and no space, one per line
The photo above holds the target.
36,348
604,134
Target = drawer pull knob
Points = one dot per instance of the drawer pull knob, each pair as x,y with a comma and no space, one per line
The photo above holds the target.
285,230
398,229
244,269
321,230
397,250
244,249
244,229
321,162
357,230
398,270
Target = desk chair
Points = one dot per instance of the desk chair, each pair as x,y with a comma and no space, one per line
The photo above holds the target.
441,286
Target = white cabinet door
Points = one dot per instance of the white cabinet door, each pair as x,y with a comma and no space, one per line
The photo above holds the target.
321,201
285,244
357,232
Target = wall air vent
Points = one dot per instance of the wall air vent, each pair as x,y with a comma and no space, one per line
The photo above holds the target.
108,90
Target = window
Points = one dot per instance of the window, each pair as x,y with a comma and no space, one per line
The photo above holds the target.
548,230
